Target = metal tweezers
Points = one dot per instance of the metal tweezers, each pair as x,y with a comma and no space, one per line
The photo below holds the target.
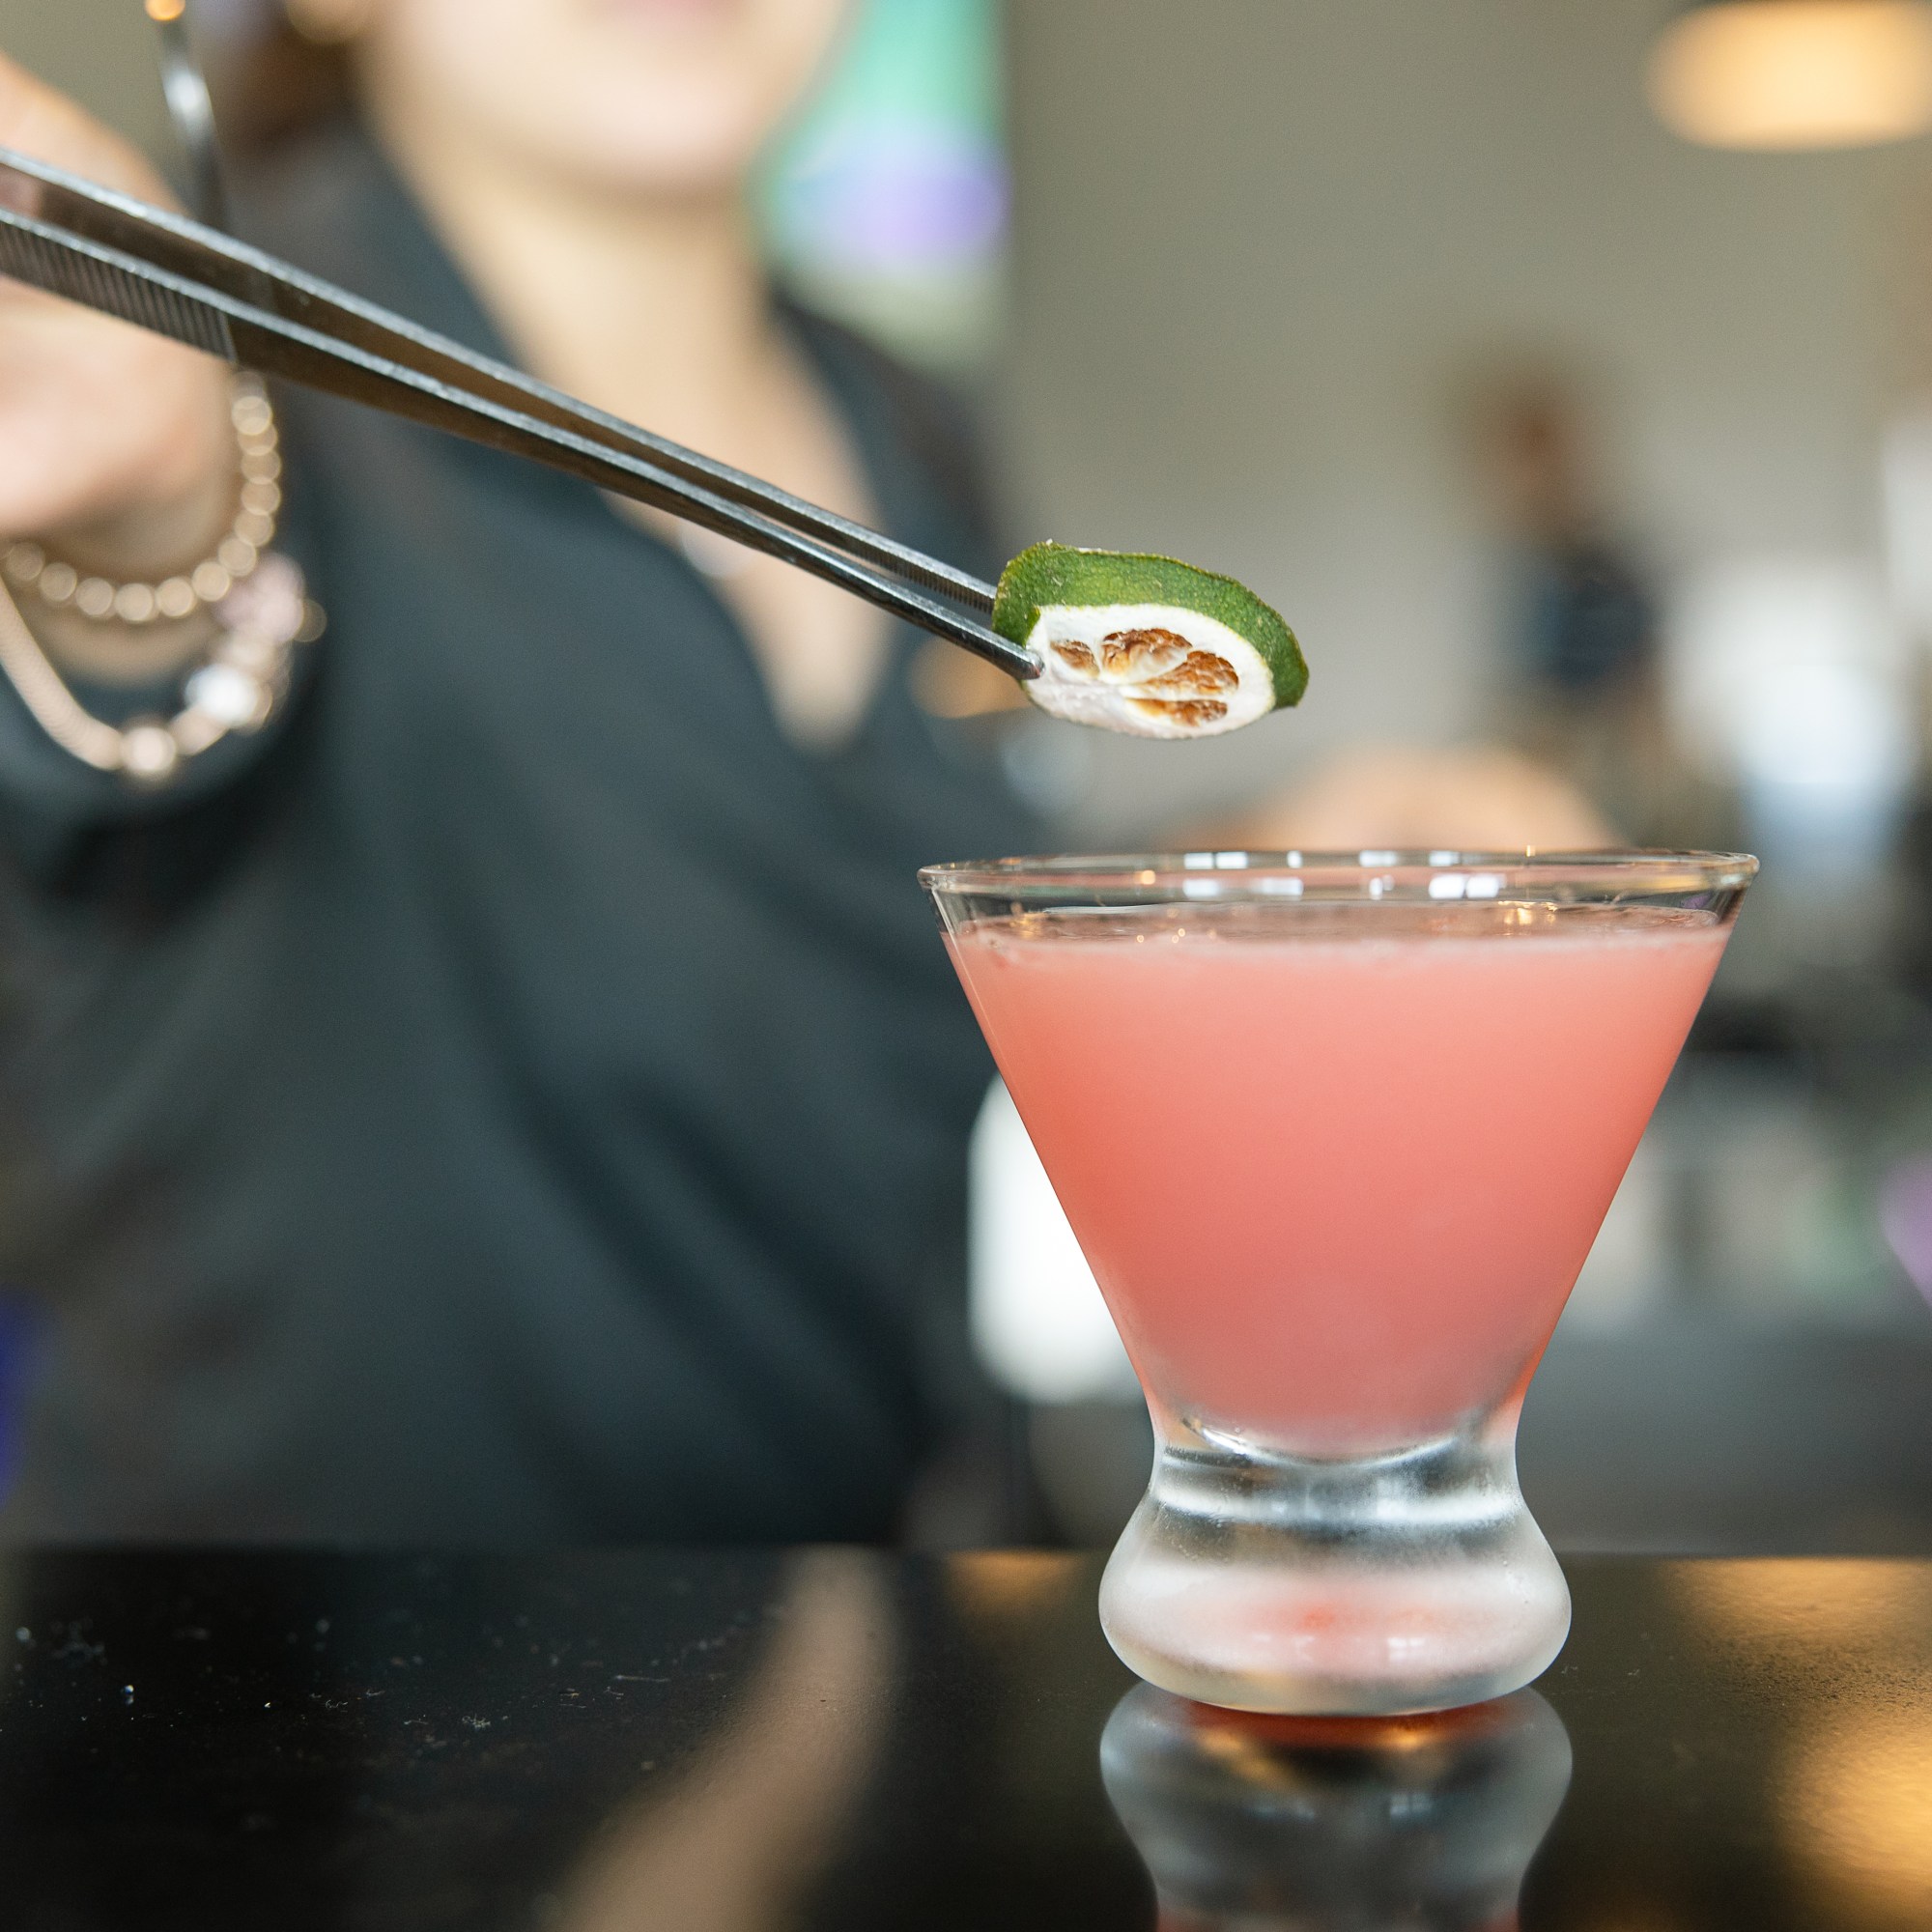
195,285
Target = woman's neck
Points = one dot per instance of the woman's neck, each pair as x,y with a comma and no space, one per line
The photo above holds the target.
653,307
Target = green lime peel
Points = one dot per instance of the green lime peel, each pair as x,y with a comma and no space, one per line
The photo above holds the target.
1144,644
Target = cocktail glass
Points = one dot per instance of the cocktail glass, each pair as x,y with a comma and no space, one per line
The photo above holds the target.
1336,1135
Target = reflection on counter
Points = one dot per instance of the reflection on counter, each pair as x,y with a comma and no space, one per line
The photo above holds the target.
1850,1777
747,1826
1249,1823
664,1742
1857,1806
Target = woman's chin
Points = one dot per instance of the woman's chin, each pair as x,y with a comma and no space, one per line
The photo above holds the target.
671,15
679,155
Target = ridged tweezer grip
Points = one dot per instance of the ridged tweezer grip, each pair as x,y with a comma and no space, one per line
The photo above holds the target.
198,286
63,269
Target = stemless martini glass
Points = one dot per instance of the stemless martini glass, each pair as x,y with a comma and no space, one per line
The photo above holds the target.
1336,1135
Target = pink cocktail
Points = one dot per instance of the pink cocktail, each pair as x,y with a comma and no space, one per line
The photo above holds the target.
1336,1136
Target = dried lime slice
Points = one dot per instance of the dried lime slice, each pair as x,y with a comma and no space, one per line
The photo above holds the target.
1144,644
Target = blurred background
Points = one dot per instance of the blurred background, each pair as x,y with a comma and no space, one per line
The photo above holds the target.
1563,370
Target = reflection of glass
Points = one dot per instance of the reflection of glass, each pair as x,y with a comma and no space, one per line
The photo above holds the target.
1336,1136
1254,1822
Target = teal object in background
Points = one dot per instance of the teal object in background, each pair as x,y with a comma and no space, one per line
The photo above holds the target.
886,204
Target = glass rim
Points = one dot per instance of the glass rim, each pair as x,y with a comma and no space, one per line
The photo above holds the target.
1612,869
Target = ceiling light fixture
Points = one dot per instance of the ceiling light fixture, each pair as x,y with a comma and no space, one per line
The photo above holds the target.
1794,74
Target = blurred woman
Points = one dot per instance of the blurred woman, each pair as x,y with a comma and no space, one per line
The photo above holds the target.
511,1091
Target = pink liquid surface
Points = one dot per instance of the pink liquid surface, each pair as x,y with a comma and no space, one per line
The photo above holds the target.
1336,1168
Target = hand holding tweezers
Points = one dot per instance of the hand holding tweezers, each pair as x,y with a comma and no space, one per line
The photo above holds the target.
180,279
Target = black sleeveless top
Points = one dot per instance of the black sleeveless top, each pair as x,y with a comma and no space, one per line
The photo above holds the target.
521,1097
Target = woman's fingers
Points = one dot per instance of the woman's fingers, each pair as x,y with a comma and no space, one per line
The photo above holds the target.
113,442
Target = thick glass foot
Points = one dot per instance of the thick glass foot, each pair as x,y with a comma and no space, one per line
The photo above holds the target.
1408,1582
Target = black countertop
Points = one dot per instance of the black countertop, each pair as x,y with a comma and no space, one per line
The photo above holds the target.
620,1743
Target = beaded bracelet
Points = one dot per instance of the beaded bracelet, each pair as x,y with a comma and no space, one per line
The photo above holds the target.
256,598
235,689
27,566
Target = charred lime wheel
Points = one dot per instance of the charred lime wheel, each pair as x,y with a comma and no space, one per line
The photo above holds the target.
1144,644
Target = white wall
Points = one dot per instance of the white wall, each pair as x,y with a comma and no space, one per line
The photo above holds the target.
1260,241
101,50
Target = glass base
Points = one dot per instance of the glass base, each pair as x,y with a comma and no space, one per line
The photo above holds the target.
1395,1583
